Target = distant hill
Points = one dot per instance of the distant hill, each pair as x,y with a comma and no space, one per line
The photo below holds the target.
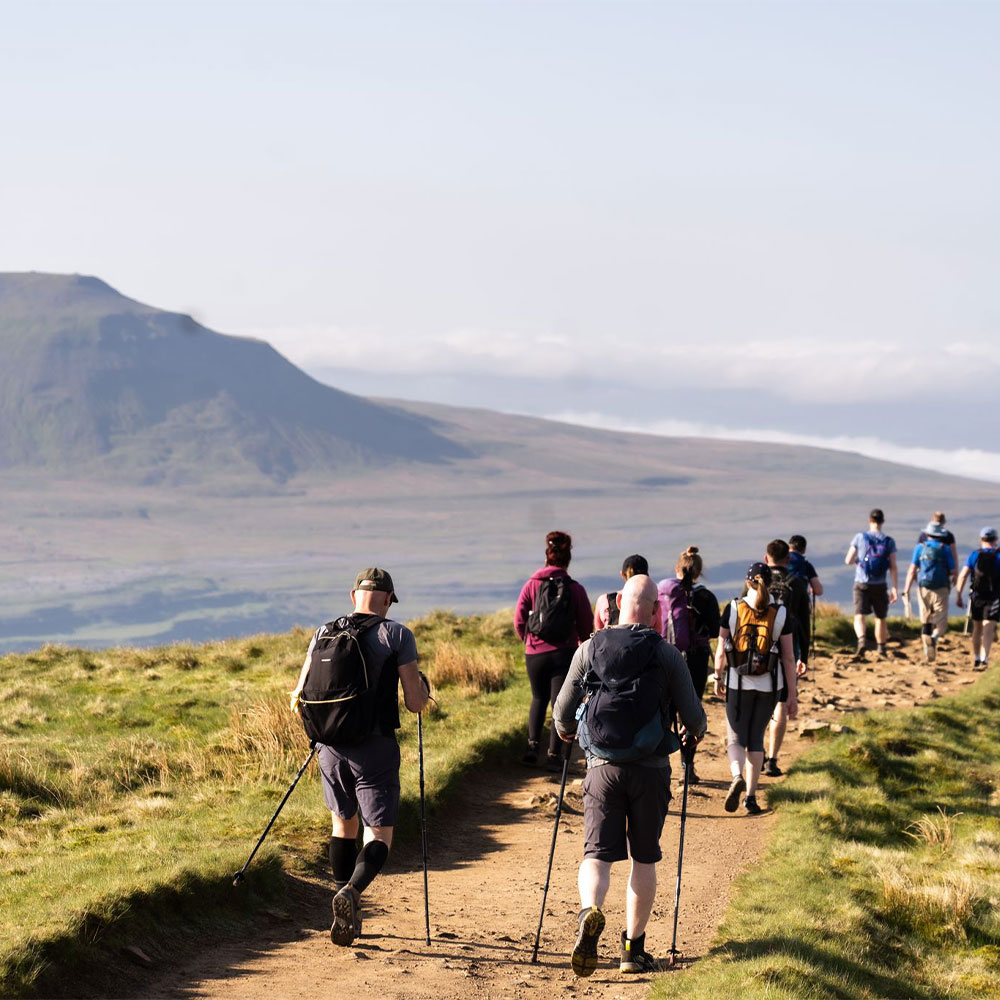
95,382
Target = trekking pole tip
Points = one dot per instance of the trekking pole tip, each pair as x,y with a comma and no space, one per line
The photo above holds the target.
237,879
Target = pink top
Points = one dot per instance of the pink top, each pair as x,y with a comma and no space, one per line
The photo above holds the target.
526,601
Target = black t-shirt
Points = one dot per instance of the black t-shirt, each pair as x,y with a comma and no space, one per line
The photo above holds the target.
705,606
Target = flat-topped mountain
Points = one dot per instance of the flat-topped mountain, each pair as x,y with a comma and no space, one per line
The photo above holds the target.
96,382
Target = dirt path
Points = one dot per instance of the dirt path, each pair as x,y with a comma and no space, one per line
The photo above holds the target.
488,868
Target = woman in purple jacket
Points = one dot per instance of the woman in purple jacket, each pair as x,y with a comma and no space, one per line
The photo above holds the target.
552,617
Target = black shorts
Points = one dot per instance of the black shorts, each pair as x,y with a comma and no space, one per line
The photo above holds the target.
985,610
871,598
625,803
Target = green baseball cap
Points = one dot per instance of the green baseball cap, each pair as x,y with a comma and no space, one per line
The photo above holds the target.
374,578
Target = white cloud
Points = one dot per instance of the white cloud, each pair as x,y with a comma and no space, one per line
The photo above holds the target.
972,462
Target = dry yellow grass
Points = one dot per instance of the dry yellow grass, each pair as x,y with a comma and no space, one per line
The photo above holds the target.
476,669
936,830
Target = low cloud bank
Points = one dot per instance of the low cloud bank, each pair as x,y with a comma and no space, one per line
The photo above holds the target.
972,462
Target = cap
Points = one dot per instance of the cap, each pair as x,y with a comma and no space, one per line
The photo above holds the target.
374,578
936,530
760,569
990,534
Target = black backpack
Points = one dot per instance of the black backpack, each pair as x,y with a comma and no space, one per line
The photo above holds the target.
985,584
621,718
338,702
553,618
613,610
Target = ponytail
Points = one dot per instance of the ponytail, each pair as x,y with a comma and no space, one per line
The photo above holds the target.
761,594
689,565
558,549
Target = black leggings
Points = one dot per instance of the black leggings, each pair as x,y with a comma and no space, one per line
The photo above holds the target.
546,673
697,660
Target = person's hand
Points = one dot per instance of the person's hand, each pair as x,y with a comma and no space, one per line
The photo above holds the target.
565,737
792,705
800,668
959,603
893,595
720,685
294,701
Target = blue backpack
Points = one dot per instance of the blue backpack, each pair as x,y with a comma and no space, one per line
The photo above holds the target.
875,561
620,718
933,572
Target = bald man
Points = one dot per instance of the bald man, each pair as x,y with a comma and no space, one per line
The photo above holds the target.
626,791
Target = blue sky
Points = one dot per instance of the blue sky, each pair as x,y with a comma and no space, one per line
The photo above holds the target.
429,195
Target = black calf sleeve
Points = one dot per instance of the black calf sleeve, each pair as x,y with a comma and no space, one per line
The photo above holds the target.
927,629
343,857
370,862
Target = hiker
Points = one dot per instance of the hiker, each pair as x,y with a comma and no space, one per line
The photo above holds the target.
552,618
360,776
754,670
624,731
933,567
606,609
800,566
948,538
983,565
793,592
874,552
689,620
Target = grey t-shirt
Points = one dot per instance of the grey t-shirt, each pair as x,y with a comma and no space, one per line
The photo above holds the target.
385,645
678,692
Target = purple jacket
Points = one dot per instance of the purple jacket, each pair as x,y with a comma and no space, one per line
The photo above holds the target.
529,593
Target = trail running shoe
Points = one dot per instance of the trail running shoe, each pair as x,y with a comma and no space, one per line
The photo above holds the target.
346,920
769,767
736,790
635,958
584,957
530,756
750,804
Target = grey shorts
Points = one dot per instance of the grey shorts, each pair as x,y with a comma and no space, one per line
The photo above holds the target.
624,804
871,598
365,778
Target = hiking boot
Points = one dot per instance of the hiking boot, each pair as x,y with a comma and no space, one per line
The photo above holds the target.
883,653
771,768
555,762
346,919
584,957
635,958
860,653
692,776
750,804
530,756
736,789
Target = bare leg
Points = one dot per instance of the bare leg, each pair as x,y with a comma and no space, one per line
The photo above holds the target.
593,881
989,631
881,631
755,758
859,628
737,759
776,732
639,898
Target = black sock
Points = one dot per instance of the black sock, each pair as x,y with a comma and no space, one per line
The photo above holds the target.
370,862
343,857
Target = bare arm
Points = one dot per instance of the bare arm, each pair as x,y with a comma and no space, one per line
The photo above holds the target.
962,577
415,695
302,675
894,576
788,665
720,662
817,587
851,557
911,575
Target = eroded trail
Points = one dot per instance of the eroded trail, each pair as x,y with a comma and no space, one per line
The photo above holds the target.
488,858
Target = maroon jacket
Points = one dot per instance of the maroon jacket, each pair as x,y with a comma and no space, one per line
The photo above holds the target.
529,593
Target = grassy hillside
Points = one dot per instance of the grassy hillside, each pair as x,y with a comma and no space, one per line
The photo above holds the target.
134,783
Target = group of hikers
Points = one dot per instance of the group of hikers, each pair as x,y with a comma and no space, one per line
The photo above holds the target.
625,679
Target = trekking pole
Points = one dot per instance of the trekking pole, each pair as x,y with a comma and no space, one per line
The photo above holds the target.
687,752
238,877
552,851
423,823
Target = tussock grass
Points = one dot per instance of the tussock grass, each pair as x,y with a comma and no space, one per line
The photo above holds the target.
882,878
133,783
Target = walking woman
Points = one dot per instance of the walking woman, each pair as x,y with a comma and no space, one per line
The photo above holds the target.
754,669
552,617
689,617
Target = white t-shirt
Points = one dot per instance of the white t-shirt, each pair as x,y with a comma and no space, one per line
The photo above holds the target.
758,682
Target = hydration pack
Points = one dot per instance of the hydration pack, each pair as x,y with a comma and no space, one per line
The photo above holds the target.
933,570
553,618
338,703
620,718
752,649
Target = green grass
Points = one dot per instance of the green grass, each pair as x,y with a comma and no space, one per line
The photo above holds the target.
882,876
133,783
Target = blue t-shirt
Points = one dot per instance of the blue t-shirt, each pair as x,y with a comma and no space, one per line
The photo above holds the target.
974,555
860,543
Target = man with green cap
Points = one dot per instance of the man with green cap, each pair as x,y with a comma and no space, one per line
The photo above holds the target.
361,776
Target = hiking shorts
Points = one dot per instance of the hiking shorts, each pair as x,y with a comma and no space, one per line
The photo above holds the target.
747,715
624,804
934,608
985,610
364,777
871,599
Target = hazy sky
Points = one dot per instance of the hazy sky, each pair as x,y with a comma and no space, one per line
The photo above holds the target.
710,191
